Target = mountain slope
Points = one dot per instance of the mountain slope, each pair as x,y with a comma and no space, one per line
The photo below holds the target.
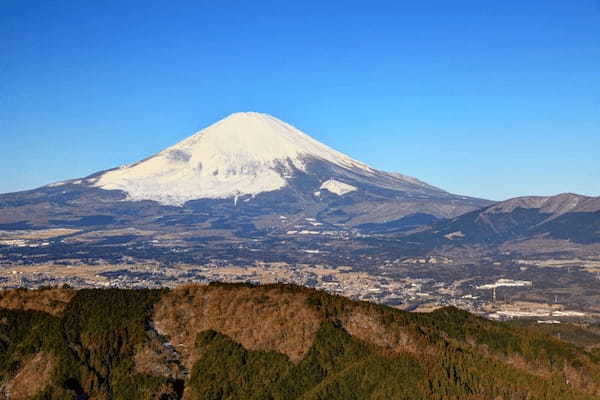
252,153
274,342
243,168
563,217
245,153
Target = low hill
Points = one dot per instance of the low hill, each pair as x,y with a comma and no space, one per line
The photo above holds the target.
226,341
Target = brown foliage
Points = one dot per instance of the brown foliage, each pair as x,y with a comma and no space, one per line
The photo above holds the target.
261,318
52,301
367,326
157,359
32,378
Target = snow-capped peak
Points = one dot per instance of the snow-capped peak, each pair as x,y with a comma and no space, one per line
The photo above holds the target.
262,137
245,153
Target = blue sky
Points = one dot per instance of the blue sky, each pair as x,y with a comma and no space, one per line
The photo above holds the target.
486,98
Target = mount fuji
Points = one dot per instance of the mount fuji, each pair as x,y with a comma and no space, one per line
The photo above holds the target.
248,170
243,154
252,153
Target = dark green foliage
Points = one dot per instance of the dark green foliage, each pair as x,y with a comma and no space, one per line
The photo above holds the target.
502,337
22,333
105,328
332,351
450,323
94,342
461,367
336,367
582,335
228,371
339,366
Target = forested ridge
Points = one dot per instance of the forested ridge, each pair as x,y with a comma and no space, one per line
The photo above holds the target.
232,341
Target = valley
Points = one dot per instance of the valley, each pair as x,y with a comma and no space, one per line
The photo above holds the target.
523,288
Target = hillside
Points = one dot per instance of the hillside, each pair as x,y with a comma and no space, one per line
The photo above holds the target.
228,341
558,223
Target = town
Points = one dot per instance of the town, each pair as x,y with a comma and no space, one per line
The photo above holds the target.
499,299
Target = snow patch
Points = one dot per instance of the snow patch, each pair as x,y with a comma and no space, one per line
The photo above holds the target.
62,183
457,234
337,187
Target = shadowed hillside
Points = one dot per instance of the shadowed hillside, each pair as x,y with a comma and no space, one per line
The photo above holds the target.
227,341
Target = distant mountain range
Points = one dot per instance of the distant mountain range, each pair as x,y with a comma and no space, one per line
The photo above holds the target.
544,221
251,175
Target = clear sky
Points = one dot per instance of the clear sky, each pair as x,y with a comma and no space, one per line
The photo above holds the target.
486,98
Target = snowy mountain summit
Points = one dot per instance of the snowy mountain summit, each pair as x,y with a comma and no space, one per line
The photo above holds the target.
245,154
